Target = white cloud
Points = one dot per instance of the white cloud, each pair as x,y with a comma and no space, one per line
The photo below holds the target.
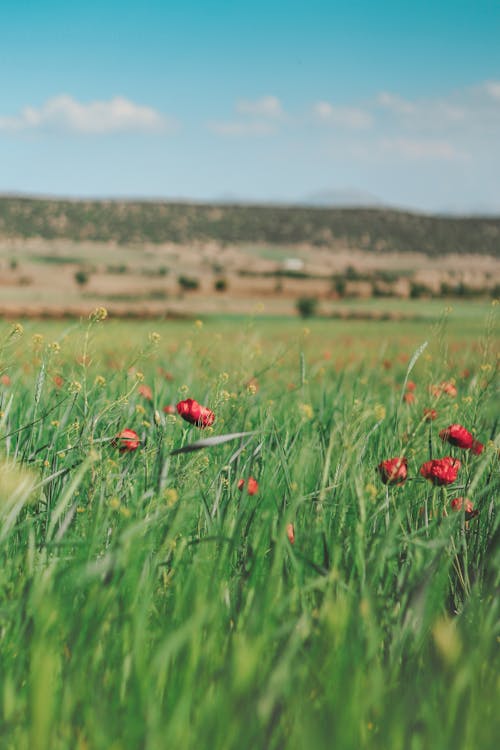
353,118
395,103
238,128
472,109
63,113
268,106
492,88
254,118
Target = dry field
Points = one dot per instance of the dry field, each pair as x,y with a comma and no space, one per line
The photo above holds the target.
38,277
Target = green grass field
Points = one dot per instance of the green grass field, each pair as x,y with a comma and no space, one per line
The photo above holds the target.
147,602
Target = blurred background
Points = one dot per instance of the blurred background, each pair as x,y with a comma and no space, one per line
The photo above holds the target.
280,158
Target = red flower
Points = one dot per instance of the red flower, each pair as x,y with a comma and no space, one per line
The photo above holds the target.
458,503
457,435
290,532
194,413
252,485
58,381
441,470
445,387
462,438
393,471
410,386
5,379
449,389
167,375
477,447
145,391
430,414
409,397
169,409
127,441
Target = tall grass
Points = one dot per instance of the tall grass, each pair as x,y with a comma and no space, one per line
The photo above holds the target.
147,602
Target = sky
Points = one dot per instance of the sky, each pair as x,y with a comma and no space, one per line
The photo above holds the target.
285,101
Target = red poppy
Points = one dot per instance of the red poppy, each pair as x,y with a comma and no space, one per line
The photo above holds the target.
457,435
393,470
127,441
441,470
430,414
449,389
411,386
194,413
477,447
458,504
5,380
252,485
290,532
169,409
445,387
167,375
409,397
58,381
145,391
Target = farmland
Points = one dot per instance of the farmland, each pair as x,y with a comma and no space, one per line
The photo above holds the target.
155,598
146,260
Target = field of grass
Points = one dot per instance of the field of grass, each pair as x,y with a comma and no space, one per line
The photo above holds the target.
148,602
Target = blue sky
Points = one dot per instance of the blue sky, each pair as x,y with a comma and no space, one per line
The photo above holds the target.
257,100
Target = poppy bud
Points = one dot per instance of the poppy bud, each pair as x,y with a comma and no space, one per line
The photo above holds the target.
393,471
145,391
457,504
477,447
252,485
127,441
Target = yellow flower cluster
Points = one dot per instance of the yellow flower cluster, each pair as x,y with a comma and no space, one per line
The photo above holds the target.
98,315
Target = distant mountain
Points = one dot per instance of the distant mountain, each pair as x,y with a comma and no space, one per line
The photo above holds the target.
476,209
344,198
348,198
375,229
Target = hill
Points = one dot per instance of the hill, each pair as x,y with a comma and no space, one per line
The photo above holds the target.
126,222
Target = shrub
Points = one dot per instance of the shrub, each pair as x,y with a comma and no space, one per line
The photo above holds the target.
220,285
418,290
339,285
81,277
307,306
188,283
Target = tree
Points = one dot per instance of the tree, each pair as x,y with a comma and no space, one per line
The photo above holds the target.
188,283
81,277
306,306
